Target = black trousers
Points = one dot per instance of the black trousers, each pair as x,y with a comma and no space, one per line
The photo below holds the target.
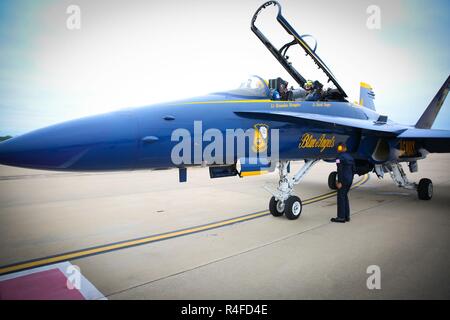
343,206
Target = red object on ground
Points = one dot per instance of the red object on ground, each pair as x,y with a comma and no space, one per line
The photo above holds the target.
44,285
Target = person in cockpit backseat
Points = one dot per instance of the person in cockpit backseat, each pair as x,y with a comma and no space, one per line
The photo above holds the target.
315,92
305,93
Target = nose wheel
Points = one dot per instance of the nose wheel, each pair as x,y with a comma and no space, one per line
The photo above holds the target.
291,208
276,207
283,202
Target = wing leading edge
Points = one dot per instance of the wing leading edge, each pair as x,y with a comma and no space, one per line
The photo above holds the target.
372,127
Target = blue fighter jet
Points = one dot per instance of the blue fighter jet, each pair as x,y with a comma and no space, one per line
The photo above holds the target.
285,125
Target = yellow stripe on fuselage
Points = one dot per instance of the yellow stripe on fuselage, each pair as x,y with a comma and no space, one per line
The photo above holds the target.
228,101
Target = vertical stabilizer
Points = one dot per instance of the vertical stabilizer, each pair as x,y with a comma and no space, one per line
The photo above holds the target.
431,112
366,96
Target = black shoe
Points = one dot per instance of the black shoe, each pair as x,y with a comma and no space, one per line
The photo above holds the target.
347,219
339,220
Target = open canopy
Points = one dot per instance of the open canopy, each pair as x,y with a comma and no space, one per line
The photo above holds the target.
280,54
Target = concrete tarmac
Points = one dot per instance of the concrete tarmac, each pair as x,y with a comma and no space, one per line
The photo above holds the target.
46,213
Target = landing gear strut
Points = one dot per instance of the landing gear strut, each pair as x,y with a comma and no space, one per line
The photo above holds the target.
424,188
283,202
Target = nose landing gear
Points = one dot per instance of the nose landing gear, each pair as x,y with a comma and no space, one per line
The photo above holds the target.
283,202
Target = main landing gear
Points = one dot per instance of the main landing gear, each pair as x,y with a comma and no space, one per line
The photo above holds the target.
332,179
424,188
283,202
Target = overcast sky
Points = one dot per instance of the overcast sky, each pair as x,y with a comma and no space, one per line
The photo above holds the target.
139,52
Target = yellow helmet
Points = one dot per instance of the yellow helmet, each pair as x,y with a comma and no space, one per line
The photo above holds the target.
308,84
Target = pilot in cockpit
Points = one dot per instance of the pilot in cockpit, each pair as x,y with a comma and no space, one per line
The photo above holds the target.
311,91
302,93
274,94
281,92
308,86
283,89
315,92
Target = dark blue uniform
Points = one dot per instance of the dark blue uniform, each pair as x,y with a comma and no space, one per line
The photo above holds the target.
345,171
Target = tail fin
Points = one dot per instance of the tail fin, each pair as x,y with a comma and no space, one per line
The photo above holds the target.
366,96
431,112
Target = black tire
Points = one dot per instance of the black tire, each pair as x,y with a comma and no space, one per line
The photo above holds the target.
274,207
293,208
332,179
425,189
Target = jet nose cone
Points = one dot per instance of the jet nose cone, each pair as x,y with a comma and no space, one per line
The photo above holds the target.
103,142
5,155
35,150
10,151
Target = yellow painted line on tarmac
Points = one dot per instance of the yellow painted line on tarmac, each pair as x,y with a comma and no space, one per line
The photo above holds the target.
146,240
333,193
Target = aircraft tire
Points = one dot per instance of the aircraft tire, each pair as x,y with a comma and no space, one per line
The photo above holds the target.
276,208
425,189
332,178
293,207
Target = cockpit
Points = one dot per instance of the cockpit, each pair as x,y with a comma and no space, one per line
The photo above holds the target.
278,89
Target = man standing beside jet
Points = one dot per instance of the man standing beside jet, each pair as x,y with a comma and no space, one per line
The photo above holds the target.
345,171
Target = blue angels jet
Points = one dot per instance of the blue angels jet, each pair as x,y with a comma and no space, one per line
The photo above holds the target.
309,125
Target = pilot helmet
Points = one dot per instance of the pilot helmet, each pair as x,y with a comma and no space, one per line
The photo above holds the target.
308,85
282,84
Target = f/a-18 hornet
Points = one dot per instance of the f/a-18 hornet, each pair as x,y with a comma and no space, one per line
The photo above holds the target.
279,125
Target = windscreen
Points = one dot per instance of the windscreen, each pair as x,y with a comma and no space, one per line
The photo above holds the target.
254,87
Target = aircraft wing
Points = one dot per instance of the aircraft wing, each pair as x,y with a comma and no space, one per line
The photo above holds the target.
432,140
324,120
